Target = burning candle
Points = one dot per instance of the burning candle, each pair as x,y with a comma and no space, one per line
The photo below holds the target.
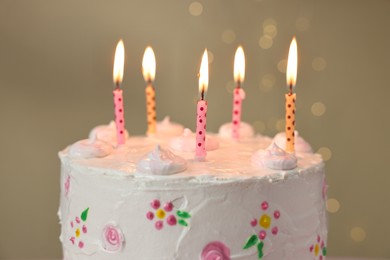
239,94
201,111
149,71
291,77
118,97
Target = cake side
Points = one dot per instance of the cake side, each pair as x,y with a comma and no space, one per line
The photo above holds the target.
217,208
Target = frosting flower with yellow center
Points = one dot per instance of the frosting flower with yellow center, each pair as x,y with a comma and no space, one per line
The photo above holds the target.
165,213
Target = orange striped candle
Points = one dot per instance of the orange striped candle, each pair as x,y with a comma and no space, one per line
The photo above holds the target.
149,71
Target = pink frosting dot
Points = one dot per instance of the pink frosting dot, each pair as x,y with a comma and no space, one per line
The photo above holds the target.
264,205
84,228
67,185
81,244
262,234
155,204
112,238
322,244
71,224
320,257
277,214
77,219
159,225
150,215
318,238
72,239
311,248
275,230
171,220
254,222
168,206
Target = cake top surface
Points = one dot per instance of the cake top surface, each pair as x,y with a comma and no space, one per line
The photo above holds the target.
152,157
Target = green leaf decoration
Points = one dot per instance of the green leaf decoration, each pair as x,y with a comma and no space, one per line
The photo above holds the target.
260,249
324,251
183,214
84,215
183,222
252,240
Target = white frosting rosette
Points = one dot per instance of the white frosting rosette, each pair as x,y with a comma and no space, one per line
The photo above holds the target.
161,162
106,133
246,130
301,146
186,142
275,158
166,127
90,149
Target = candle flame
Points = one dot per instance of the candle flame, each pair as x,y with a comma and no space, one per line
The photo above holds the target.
204,73
239,65
149,64
119,63
292,64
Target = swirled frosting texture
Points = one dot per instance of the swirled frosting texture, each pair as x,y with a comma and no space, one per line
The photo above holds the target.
106,133
275,158
90,149
166,127
215,251
161,162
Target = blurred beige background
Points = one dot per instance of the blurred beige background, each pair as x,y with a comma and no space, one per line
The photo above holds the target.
56,62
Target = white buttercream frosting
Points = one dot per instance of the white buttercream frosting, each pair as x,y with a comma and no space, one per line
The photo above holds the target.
275,158
106,133
90,149
161,162
301,145
246,130
166,127
186,142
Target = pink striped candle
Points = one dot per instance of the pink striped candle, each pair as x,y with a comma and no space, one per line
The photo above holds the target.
118,97
239,94
201,112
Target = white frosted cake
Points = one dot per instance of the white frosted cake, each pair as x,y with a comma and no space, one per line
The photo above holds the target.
149,199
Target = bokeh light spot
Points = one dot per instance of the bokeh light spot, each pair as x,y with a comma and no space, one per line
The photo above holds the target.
318,64
270,30
332,205
318,109
280,125
358,234
265,42
302,24
195,8
228,36
230,86
267,82
282,65
325,152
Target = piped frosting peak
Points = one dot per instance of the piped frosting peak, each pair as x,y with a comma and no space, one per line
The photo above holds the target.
161,162
301,146
90,149
246,130
186,142
275,158
106,133
166,127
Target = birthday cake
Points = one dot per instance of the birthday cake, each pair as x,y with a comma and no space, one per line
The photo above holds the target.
150,199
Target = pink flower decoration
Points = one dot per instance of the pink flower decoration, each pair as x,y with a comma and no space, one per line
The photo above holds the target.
277,214
112,238
159,225
155,204
254,222
84,229
67,185
262,234
264,205
168,206
81,244
150,215
72,239
215,251
275,230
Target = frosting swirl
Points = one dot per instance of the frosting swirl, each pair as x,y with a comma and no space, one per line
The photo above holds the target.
246,130
275,158
106,133
90,149
112,238
186,142
301,145
166,127
215,251
161,162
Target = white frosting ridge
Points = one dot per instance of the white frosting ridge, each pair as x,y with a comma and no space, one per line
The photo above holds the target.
275,158
106,133
246,130
161,162
166,127
186,142
90,149
301,146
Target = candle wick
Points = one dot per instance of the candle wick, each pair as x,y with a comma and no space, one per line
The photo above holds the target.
291,87
238,83
117,84
202,94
